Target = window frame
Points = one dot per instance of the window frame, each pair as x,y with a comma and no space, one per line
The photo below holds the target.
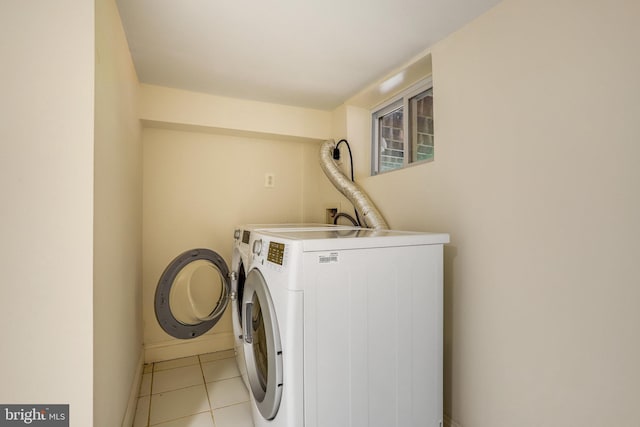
401,100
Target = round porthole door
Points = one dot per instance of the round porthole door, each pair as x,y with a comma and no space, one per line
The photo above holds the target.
262,346
192,293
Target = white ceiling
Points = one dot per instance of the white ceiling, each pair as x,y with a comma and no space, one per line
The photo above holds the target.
309,53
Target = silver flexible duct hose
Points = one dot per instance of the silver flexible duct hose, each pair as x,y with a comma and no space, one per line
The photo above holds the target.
371,217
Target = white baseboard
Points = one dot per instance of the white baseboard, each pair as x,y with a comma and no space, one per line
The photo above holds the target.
448,422
130,413
174,349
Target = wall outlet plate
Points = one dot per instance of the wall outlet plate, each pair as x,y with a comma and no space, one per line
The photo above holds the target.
269,180
330,215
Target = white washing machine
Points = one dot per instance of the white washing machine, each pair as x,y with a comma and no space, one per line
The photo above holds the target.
343,328
196,287
239,264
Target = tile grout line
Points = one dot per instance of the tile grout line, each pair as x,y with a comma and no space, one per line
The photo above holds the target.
201,364
153,368
178,388
206,389
175,389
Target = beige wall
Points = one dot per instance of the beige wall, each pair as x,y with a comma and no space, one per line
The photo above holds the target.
167,106
197,187
536,177
46,183
117,223
205,159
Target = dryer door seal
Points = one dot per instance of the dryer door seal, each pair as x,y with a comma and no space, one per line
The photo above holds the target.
192,293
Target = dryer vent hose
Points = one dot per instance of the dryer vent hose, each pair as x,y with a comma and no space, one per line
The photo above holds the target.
371,217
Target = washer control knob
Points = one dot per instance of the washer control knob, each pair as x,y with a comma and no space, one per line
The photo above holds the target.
236,234
257,246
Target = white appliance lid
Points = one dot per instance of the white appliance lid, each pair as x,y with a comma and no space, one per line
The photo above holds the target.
319,239
296,226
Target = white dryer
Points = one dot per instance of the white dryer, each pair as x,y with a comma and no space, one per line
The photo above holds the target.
343,328
239,267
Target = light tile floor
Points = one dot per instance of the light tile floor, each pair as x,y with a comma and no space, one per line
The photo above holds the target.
197,391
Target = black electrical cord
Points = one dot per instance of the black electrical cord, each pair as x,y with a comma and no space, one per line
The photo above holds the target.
336,156
348,217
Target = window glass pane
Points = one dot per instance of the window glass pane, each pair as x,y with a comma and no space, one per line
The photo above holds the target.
421,126
391,141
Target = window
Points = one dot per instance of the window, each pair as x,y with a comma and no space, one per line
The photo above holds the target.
402,130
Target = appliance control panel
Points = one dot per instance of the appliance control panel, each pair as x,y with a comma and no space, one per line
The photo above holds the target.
276,253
